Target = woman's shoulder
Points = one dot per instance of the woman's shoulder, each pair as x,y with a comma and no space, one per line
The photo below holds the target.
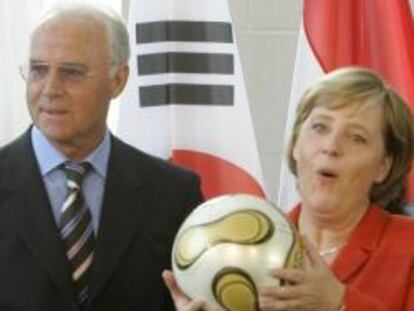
404,220
401,227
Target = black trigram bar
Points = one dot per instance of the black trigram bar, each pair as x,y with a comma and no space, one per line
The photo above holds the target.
178,62
186,94
187,31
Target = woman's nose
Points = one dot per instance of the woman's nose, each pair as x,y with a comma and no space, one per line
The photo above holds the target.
332,144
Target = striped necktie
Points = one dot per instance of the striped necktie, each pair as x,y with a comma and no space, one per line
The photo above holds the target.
76,229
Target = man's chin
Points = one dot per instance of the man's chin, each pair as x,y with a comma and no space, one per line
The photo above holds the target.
56,134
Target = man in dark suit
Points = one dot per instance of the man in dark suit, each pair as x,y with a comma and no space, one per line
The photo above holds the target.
130,204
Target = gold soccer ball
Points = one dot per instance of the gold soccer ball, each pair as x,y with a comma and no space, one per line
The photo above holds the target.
226,246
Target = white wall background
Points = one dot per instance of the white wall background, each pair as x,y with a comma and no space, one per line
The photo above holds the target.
266,31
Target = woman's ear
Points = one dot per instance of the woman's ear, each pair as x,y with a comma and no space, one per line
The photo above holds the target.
384,169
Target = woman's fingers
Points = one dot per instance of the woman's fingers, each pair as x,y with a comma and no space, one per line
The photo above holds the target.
170,282
271,304
280,292
195,305
312,257
290,275
181,301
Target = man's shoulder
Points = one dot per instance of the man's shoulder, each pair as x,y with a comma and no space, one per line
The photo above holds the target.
16,162
9,151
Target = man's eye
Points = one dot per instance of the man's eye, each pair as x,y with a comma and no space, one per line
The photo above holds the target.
38,70
74,74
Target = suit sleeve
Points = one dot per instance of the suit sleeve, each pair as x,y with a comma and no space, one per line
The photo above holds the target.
196,196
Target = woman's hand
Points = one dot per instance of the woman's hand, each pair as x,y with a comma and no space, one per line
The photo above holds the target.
313,288
181,301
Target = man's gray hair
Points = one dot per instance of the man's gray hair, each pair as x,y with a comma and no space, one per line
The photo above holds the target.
117,33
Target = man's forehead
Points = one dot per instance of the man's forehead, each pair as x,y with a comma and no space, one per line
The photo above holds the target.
69,39
66,28
66,24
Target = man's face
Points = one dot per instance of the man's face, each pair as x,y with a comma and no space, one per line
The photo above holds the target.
69,86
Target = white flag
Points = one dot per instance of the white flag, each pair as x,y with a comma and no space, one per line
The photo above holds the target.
186,99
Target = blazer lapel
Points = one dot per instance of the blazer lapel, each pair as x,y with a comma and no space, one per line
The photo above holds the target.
32,214
121,214
349,262
362,242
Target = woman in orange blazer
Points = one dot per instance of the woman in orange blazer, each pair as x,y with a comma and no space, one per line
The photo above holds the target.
351,151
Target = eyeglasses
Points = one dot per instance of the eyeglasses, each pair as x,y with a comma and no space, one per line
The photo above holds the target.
37,71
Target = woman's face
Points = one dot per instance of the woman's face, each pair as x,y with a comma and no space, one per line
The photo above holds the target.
340,154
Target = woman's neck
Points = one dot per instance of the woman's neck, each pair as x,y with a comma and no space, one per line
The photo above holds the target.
329,231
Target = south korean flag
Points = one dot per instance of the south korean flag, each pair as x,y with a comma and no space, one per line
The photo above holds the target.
186,99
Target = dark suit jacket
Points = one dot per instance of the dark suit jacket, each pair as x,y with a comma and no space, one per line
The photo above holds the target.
145,201
377,263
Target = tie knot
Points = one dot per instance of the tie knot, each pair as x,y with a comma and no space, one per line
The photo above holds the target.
75,172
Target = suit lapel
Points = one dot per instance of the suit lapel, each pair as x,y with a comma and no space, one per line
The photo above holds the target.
32,216
122,211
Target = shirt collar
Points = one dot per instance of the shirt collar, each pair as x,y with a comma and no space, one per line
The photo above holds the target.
48,157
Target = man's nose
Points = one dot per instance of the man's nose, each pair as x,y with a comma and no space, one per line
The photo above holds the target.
53,84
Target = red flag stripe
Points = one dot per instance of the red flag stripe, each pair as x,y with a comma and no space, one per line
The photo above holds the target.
218,175
377,34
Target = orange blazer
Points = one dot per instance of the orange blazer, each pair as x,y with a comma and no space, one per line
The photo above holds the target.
377,263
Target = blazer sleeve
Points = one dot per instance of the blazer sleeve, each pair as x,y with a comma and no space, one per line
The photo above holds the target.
410,298
356,300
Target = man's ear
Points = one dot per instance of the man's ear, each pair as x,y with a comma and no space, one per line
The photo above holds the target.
384,170
119,79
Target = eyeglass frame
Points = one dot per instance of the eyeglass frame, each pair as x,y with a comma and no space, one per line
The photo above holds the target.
68,72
